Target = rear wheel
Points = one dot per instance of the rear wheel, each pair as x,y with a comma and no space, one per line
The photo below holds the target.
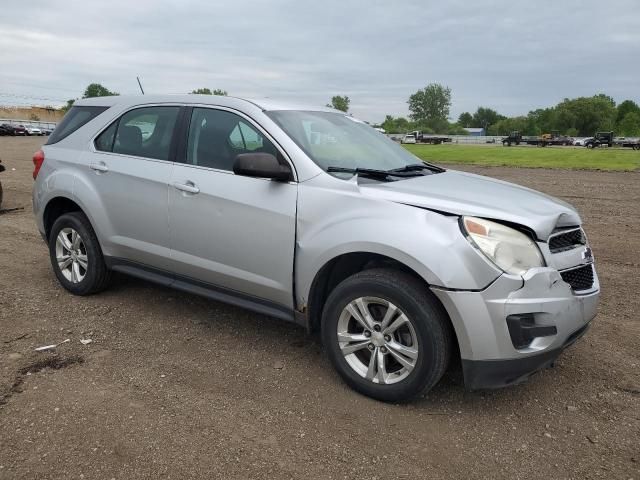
76,256
386,335
589,145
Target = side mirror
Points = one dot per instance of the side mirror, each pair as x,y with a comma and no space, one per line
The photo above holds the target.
261,165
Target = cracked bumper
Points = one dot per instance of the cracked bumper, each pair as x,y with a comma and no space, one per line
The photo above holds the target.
489,357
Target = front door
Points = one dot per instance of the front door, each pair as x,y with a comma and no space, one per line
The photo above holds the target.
228,230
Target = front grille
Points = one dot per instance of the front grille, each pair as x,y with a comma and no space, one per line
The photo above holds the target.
562,241
579,278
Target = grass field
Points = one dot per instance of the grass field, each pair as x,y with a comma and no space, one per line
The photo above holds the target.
621,159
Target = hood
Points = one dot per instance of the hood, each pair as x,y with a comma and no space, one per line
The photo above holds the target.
463,193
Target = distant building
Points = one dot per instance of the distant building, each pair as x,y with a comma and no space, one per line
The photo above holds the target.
475,132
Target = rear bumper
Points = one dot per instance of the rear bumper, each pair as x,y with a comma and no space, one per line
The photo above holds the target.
493,352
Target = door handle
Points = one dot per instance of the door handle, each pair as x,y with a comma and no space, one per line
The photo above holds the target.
188,187
99,167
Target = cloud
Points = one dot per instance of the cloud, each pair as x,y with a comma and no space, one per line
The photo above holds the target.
511,56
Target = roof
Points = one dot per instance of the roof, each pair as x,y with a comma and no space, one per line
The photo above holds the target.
225,101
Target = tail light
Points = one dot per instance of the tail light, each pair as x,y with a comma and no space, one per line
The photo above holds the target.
38,160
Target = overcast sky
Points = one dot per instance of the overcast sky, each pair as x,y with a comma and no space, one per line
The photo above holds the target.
508,55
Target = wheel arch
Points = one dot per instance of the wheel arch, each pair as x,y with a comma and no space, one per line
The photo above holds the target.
56,207
341,267
345,265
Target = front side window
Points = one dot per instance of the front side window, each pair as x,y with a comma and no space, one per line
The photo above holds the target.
143,132
216,137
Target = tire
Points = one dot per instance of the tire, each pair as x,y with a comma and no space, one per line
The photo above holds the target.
636,147
589,145
427,334
88,259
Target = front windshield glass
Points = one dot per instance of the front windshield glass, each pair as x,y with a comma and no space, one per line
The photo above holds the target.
337,140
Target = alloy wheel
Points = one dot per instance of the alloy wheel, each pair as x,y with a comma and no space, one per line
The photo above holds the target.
71,255
377,340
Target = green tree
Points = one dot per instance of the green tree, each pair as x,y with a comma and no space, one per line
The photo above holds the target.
68,106
590,114
628,106
505,126
434,125
431,104
207,91
340,103
629,126
396,125
465,119
541,121
456,129
485,117
34,117
97,90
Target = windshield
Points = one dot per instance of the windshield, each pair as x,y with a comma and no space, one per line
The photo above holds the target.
334,140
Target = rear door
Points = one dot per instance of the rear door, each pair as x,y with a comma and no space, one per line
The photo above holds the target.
228,230
130,169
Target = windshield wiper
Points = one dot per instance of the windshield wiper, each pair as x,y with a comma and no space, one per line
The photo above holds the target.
370,172
415,167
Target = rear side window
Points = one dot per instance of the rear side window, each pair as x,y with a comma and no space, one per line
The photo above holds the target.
143,132
73,120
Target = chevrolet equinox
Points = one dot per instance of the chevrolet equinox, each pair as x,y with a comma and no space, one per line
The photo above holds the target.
311,216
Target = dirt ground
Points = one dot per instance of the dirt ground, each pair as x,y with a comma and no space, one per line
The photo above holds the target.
176,386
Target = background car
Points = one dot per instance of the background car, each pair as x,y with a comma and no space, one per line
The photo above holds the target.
6,130
19,130
579,142
409,138
33,131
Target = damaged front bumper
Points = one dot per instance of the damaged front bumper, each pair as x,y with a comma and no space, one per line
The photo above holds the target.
517,325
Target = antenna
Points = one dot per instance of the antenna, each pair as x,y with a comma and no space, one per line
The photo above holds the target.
140,85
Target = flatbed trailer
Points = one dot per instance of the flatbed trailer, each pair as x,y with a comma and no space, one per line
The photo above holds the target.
429,139
627,143
515,138
631,144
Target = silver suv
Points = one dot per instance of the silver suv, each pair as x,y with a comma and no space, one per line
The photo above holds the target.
312,216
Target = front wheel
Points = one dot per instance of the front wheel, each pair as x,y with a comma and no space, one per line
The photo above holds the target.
386,334
76,256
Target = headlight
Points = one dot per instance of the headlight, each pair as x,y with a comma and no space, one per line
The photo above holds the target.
511,250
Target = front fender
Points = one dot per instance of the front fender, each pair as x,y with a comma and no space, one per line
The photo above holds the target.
332,222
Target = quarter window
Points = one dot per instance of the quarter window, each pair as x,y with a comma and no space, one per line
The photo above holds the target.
216,137
73,120
143,132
